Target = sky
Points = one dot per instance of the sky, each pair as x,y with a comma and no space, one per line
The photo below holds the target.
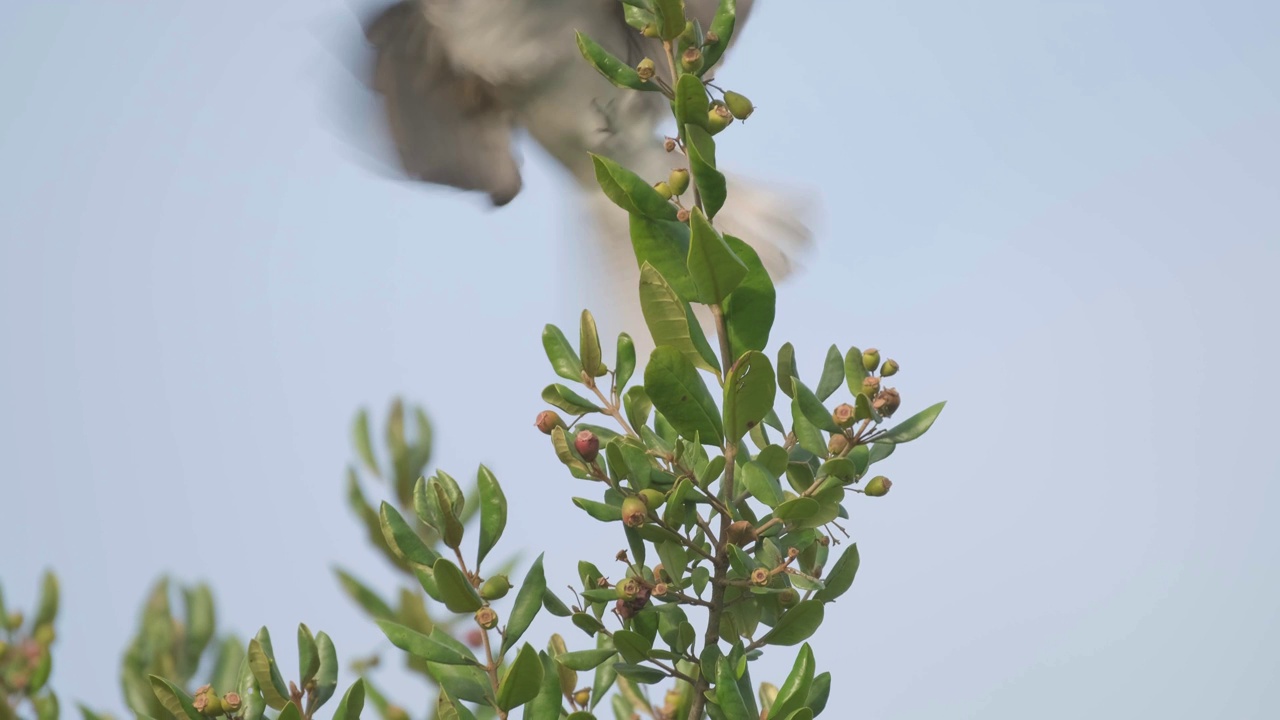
1061,217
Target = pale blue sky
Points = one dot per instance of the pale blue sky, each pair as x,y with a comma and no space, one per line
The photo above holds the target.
1063,217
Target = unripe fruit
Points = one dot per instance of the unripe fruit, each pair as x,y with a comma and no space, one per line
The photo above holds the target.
878,486
587,445
760,577
691,60
664,189
741,533
646,69
548,420
838,444
653,499
495,588
870,386
739,105
843,415
870,359
887,402
206,703
231,702
678,180
788,598
889,368
628,589
634,512
650,30
582,697
718,117
487,618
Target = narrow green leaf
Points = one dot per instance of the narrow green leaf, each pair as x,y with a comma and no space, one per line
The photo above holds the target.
710,182
567,400
599,510
841,576
290,712
201,620
583,660
613,69
352,702
748,394
671,18
402,539
671,321
547,704
722,25
177,702
47,605
762,484
589,346
691,102
880,452
813,410
364,597
458,593
327,673
308,655
522,681
797,509
795,691
265,672
642,674
664,244
563,359
796,625
854,372
678,392
832,373
631,646
631,192
715,270
808,436
423,646
493,512
728,696
364,445
626,360
787,369
528,602
819,693
749,310
913,427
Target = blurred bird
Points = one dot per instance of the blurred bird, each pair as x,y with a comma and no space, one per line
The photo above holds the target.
457,78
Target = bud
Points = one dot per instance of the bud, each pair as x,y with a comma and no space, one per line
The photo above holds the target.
741,533
486,618
889,368
646,69
628,589
870,359
669,145
664,189
634,512
711,38
838,444
878,486
653,499
870,386
231,702
760,576
678,180
548,420
887,402
661,589
788,598
682,215
793,553
651,30
691,60
587,445
718,117
739,105
495,588
582,697
843,415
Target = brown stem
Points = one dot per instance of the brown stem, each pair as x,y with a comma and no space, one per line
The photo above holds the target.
718,587
492,669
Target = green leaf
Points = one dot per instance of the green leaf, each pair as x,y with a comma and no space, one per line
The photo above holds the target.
583,660
267,671
796,625
671,18
626,360
327,674
749,310
423,646
47,606
451,532
832,373
819,692
528,602
563,359
671,321
813,410
613,69
402,539
589,346
678,392
631,646
522,681
547,704
710,181
201,620
631,192
797,509
664,244
762,484
598,510
748,394
250,692
722,25
177,702
290,712
567,400
808,436
880,452
841,576
728,696
691,102
464,682
457,592
787,369
352,702
308,655
794,692
854,372
642,674
493,512
363,443
715,270
364,597
913,427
